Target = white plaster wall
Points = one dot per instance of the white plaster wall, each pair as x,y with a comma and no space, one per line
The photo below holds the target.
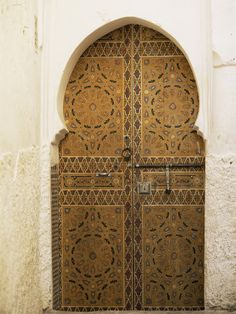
20,291
222,137
20,277
220,215
19,76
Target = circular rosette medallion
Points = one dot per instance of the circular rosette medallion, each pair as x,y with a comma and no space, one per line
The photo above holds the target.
175,250
93,256
93,107
173,108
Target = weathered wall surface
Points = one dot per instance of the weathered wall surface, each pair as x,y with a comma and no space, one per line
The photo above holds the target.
20,278
20,75
220,232
220,218
19,233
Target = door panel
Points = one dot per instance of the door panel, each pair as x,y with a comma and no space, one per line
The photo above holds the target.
131,227
94,107
172,255
95,190
93,255
168,247
169,107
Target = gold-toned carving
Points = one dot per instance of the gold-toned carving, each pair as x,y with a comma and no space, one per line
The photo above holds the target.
93,181
173,256
164,94
93,253
148,34
169,108
97,107
178,180
133,83
116,35
93,108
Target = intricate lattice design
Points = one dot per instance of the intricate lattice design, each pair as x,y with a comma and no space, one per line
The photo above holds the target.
92,181
106,49
79,166
147,83
116,86
183,160
93,108
88,164
116,35
163,48
178,180
93,256
74,197
171,235
170,108
148,34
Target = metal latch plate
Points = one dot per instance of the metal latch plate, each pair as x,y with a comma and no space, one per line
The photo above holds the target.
144,187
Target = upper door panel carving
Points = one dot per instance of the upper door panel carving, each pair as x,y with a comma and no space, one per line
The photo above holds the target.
93,108
169,108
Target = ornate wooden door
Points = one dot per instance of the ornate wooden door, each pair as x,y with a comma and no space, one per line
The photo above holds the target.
168,181
131,177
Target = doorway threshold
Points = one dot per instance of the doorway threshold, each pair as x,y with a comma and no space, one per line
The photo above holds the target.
146,312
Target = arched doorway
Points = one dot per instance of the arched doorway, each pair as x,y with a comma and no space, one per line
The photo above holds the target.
131,178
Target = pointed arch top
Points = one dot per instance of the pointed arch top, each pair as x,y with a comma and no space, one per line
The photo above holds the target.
95,35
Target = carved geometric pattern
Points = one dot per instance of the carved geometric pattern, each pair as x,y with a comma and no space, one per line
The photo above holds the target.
173,256
88,164
92,249
56,250
169,108
116,36
109,78
124,86
92,181
106,49
178,180
150,35
74,197
151,80
93,108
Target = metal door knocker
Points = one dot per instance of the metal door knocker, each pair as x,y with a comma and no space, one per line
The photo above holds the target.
126,153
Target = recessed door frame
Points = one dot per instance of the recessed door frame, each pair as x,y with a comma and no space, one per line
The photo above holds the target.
54,178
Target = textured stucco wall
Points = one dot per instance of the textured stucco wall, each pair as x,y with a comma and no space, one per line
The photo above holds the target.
19,233
220,217
20,276
220,232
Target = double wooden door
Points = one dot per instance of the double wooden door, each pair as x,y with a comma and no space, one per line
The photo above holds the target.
131,175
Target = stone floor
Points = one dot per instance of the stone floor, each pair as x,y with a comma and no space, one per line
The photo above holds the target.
147,312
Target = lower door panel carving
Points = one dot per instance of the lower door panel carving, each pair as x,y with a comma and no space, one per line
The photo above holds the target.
93,256
172,256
